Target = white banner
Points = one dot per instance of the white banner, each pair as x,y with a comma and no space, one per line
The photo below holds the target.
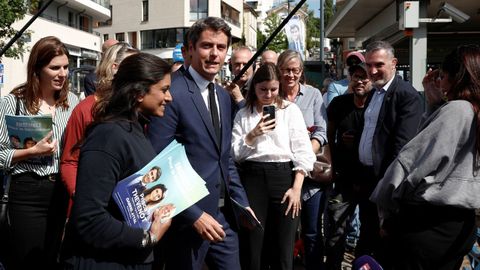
295,32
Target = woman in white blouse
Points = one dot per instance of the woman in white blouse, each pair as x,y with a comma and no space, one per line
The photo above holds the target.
274,157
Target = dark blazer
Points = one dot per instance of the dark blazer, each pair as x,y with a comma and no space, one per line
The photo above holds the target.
397,123
188,120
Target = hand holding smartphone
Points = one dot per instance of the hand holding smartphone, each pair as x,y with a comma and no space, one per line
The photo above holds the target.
270,110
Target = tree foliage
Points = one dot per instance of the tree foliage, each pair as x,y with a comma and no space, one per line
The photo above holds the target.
328,11
312,26
11,11
279,43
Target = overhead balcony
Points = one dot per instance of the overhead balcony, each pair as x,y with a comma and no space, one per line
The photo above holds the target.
98,9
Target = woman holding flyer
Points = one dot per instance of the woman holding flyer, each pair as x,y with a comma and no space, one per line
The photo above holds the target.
114,148
37,199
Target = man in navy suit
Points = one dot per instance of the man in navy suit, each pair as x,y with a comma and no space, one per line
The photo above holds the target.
392,115
200,117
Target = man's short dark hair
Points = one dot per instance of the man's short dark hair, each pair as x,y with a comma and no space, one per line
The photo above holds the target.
213,23
186,39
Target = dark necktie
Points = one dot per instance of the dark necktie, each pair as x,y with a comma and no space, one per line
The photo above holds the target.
212,103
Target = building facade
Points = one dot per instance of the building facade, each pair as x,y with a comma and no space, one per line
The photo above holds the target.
73,22
156,26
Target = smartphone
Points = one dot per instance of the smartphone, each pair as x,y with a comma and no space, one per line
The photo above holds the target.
269,109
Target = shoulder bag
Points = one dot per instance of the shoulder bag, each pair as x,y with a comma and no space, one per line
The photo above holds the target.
6,180
322,168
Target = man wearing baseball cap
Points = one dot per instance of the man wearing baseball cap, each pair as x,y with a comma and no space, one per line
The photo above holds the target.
177,57
340,87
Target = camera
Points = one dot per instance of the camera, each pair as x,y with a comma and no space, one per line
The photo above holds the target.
456,14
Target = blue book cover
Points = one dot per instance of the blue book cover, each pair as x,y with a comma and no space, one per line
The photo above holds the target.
168,183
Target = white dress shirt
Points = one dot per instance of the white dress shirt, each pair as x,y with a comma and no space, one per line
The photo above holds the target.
202,84
289,141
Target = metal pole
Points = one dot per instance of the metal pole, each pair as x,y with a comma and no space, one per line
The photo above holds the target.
20,33
269,39
322,30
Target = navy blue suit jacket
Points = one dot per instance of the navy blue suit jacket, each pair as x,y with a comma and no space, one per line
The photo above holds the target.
188,120
397,123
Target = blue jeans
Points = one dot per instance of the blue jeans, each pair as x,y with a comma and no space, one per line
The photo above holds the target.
313,240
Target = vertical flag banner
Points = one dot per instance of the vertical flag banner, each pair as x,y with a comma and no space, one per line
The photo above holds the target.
295,32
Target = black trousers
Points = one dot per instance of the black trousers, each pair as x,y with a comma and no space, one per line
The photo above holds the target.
369,242
429,237
37,211
265,184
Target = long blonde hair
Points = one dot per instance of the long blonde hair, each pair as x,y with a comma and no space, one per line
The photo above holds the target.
105,72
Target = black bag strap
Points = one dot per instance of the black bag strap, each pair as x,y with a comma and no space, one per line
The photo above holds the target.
17,105
6,177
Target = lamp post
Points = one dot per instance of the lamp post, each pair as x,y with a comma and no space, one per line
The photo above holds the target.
322,30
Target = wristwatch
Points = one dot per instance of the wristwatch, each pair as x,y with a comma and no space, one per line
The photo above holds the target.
149,239
146,239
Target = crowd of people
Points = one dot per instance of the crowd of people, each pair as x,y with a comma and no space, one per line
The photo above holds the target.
411,172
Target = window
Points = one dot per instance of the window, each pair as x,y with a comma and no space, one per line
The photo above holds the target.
161,38
120,36
71,20
132,38
105,37
84,23
144,10
230,14
198,9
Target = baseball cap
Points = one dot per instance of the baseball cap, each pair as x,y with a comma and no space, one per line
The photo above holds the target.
177,54
352,69
356,54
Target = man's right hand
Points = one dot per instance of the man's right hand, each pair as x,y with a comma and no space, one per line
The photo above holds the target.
234,91
209,228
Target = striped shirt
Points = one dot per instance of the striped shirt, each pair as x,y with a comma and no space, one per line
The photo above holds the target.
49,164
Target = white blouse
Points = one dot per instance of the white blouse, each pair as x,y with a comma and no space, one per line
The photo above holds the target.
289,141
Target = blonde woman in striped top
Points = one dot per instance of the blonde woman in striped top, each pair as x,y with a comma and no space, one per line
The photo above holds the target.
37,199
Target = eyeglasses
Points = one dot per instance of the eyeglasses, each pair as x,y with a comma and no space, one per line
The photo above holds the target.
295,71
360,79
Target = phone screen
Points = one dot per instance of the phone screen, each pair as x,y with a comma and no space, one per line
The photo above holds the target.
270,109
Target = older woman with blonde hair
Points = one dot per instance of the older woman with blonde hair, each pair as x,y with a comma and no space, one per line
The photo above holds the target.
310,102
82,115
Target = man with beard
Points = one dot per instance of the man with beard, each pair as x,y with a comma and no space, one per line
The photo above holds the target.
345,120
392,115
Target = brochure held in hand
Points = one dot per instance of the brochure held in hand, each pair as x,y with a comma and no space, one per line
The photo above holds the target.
168,183
24,131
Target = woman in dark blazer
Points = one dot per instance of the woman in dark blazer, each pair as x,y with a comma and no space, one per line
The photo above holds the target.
115,147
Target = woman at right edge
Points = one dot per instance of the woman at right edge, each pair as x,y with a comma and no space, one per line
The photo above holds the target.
428,196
